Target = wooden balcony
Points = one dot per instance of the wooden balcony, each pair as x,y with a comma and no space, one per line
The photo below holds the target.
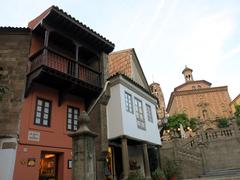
63,73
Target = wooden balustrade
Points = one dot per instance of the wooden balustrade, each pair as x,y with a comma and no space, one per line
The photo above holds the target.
55,61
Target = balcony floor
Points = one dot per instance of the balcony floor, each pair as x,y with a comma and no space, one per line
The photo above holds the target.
62,82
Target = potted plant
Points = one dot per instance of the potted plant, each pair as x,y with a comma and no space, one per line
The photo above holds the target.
171,170
158,174
136,175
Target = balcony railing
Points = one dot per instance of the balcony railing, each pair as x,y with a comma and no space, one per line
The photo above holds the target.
55,61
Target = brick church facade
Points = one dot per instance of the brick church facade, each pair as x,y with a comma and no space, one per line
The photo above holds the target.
199,100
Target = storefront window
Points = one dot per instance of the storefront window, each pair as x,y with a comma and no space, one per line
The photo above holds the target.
48,169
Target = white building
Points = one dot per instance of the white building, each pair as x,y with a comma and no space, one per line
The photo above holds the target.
132,117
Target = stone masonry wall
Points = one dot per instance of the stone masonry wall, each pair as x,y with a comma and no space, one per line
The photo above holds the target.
14,49
212,151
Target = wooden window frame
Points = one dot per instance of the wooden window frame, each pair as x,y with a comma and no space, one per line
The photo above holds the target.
141,124
128,104
72,118
149,113
42,112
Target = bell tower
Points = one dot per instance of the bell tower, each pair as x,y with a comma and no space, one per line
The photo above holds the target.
187,72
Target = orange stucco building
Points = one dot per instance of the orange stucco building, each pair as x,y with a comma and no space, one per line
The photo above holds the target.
65,73
38,142
199,100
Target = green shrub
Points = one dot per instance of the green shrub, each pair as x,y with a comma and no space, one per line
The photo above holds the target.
170,168
223,123
136,175
158,173
238,122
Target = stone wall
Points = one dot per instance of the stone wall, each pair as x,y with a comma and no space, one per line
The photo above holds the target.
210,151
188,163
14,49
222,152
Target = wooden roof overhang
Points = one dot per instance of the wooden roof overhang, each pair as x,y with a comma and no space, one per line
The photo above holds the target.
56,19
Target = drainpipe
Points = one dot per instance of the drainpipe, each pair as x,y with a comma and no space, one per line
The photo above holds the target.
101,94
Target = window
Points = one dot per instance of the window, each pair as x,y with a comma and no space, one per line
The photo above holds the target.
72,118
42,112
128,102
139,114
149,113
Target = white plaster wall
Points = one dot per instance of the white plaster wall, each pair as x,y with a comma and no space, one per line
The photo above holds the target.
121,122
7,161
114,113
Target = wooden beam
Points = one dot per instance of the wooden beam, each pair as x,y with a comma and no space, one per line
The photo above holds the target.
72,37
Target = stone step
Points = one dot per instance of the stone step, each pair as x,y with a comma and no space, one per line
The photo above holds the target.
227,177
222,172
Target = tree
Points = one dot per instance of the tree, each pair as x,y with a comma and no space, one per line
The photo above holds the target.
237,114
193,123
175,120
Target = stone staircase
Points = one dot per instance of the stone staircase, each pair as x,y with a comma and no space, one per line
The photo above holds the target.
225,174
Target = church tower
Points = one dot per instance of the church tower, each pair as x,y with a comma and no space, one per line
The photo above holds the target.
187,72
157,91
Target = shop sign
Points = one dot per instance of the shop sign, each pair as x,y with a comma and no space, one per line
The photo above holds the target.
33,136
31,162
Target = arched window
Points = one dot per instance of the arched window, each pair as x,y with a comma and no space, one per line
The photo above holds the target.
193,87
199,86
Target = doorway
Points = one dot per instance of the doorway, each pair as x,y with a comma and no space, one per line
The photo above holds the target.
48,166
118,163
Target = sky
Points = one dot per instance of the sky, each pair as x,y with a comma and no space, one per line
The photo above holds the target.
166,34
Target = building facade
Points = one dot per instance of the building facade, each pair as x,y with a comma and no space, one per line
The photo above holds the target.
132,119
62,64
199,100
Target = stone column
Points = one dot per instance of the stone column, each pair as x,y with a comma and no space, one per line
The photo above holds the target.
146,162
83,147
125,158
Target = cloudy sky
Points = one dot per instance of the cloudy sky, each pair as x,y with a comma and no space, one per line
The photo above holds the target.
166,34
